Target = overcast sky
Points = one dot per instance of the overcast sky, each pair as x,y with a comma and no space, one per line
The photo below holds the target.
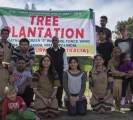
115,10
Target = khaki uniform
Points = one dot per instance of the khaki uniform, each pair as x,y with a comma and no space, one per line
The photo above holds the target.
100,82
43,84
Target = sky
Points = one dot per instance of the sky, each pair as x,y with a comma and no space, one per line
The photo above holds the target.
115,10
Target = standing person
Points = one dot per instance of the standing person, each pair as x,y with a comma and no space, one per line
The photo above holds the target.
126,66
14,108
74,83
4,78
45,83
125,42
5,45
101,84
117,76
26,51
22,79
58,55
103,22
104,47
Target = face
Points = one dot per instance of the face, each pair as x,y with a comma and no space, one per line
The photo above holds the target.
101,36
123,32
24,46
4,35
12,95
73,64
116,53
46,62
127,58
103,22
21,64
99,61
1,56
55,41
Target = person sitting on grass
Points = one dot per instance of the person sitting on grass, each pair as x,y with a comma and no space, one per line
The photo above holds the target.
14,107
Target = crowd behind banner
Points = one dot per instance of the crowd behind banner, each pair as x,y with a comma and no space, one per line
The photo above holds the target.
110,79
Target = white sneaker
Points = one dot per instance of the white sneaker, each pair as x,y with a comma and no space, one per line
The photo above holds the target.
123,101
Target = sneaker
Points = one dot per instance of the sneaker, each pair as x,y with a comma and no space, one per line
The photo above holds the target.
123,101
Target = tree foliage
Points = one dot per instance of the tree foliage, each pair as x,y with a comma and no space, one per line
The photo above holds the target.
129,25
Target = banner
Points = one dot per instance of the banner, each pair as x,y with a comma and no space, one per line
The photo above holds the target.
75,29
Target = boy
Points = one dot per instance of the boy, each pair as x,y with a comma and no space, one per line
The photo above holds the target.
14,108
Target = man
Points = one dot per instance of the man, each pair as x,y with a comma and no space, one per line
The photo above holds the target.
125,42
58,55
4,78
24,50
103,22
22,80
126,45
5,45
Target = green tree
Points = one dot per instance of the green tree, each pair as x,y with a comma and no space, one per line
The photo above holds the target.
129,25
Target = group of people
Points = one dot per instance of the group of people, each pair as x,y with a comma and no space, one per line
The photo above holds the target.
108,79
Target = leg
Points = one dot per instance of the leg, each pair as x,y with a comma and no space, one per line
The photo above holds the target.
71,110
82,107
131,84
60,90
27,115
12,116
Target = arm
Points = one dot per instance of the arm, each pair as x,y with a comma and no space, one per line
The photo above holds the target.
65,84
32,55
65,61
14,56
4,110
83,86
22,104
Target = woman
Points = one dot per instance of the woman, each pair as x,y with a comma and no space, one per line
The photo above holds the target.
101,83
117,76
74,83
45,84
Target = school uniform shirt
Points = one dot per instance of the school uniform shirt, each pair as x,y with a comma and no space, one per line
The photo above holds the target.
21,78
10,106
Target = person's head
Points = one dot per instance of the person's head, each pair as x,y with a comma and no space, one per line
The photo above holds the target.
123,31
1,56
4,34
73,63
99,60
46,62
11,92
21,64
116,52
24,44
103,21
124,57
55,41
101,35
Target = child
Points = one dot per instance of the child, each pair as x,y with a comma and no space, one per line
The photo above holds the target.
127,67
74,83
14,108
104,47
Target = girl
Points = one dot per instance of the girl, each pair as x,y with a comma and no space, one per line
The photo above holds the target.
126,66
74,83
117,76
101,83
45,85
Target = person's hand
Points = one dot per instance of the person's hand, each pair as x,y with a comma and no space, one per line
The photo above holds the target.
73,101
97,98
20,110
45,100
49,100
21,90
77,98
105,98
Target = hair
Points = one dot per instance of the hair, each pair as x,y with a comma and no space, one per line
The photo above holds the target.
101,31
51,70
55,37
115,48
10,88
24,40
122,56
21,58
104,17
5,29
74,58
98,56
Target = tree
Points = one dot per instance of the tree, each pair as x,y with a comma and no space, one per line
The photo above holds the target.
27,6
33,7
129,25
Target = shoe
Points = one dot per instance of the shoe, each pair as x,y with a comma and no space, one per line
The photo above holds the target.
60,105
123,101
